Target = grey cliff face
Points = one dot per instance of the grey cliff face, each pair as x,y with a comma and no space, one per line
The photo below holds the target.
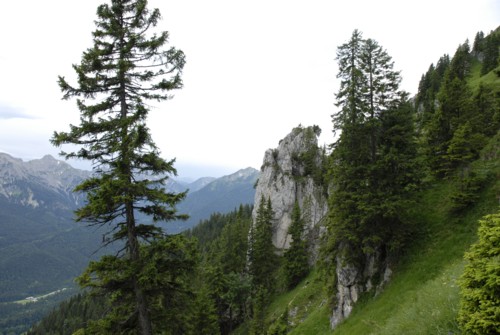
353,280
288,175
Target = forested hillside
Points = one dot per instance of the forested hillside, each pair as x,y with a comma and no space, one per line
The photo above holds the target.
406,182
42,249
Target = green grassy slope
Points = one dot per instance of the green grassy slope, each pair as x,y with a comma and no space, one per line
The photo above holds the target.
423,297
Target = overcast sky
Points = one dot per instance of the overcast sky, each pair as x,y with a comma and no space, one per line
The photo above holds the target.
255,69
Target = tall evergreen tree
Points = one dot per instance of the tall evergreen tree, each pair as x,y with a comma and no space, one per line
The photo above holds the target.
263,262
486,117
491,52
455,100
260,300
263,258
296,263
424,100
382,84
205,318
125,67
460,65
396,173
360,211
352,83
226,271
351,154
478,45
428,89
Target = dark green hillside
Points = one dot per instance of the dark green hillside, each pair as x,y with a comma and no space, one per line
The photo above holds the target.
42,249
215,236
210,229
42,252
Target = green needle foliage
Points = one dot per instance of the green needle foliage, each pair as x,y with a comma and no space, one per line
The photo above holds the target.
480,283
126,67
373,164
263,260
262,264
296,263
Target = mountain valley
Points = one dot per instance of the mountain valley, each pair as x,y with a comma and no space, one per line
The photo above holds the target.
42,248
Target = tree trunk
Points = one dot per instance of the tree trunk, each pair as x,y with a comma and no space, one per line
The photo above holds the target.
145,327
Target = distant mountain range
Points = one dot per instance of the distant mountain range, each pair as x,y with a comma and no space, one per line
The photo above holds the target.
41,247
220,195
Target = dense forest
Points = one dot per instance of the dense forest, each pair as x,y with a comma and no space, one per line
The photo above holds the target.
225,276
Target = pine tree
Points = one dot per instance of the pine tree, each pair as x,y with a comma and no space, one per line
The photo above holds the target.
478,45
456,108
165,272
382,84
205,319
460,65
262,264
263,258
486,117
369,139
123,70
491,52
428,89
260,300
352,83
426,98
461,150
397,174
225,271
296,263
480,282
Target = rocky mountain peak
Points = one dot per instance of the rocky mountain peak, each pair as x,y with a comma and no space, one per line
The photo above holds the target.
10,167
292,172
39,182
241,174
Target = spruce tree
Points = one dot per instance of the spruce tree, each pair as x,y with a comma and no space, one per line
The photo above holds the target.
491,52
480,282
262,264
351,155
225,270
370,138
382,84
296,263
205,317
455,100
478,45
126,67
352,83
263,258
428,89
396,174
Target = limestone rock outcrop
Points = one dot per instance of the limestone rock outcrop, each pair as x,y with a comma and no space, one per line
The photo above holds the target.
293,172
354,279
